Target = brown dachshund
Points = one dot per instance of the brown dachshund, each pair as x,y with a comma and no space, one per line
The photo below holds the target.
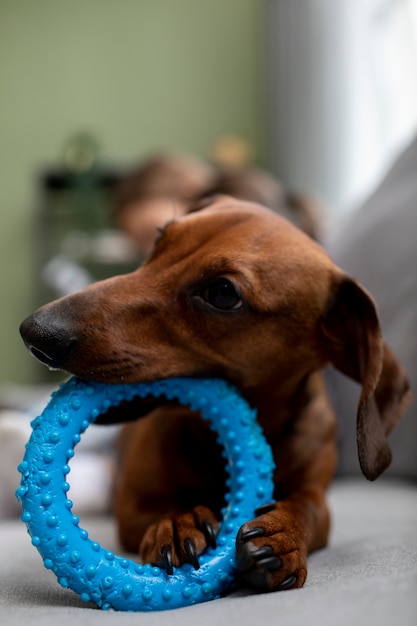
235,291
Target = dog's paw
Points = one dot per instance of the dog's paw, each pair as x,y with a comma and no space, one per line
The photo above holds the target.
171,542
271,554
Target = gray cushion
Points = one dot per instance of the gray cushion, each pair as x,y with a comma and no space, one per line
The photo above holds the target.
368,575
378,246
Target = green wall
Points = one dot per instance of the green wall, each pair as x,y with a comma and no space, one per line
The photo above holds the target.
139,74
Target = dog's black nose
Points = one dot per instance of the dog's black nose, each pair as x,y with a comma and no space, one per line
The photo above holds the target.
49,340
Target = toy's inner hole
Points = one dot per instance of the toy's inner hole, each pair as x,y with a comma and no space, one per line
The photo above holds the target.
196,444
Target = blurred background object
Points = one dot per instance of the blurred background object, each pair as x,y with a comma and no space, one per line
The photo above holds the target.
320,94
115,117
138,77
156,191
77,240
341,94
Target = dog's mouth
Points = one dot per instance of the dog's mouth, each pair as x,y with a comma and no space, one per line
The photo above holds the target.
140,406
132,410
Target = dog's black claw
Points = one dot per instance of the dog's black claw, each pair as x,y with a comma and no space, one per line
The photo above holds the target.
246,535
191,552
259,553
209,534
249,557
270,563
166,556
265,508
288,583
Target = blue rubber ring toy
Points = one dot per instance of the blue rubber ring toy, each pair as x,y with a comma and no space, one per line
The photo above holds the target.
97,574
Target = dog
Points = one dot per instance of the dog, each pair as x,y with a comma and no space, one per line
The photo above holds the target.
236,291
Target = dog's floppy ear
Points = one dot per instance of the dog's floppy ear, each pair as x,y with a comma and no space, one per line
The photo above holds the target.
355,346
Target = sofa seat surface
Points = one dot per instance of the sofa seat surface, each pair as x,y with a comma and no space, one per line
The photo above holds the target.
367,575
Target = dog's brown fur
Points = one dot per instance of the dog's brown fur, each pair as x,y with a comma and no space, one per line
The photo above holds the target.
286,312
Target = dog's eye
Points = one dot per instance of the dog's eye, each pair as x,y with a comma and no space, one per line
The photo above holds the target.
221,294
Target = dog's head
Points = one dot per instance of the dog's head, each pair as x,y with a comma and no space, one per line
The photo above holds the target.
235,291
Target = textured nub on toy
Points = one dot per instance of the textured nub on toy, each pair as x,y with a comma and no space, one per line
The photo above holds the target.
82,564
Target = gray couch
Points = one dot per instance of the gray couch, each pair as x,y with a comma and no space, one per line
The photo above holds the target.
368,574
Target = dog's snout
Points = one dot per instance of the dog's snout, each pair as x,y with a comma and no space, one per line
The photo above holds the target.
50,341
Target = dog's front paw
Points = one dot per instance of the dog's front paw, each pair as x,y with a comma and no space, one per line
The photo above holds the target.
171,542
271,553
